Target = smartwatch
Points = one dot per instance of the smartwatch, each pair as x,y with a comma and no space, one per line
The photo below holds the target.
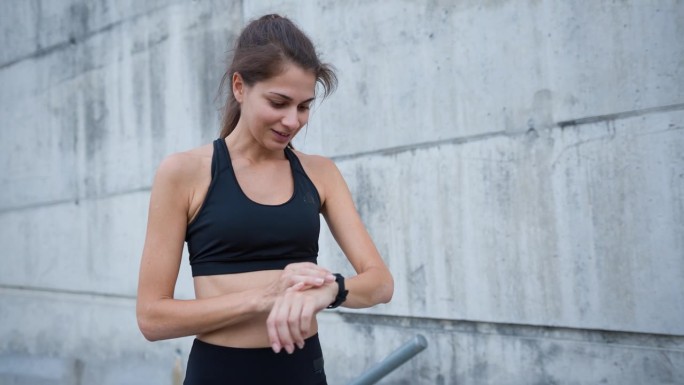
341,292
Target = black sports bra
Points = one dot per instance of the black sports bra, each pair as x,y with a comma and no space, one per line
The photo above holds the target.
233,234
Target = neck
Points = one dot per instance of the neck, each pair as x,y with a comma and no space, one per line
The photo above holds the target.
242,144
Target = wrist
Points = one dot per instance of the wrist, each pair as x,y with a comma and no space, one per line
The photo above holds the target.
340,292
332,289
263,300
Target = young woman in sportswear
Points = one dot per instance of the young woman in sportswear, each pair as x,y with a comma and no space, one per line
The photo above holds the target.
249,206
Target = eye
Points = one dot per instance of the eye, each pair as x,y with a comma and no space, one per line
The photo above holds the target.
276,104
304,107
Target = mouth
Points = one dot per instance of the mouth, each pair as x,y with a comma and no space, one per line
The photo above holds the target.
282,135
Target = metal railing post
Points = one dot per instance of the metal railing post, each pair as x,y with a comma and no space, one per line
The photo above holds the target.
397,358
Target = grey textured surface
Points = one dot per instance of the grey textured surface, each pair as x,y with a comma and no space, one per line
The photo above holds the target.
520,166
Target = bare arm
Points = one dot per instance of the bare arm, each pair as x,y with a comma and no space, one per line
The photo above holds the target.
293,310
373,283
160,316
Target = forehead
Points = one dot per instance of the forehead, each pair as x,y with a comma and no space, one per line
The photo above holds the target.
293,82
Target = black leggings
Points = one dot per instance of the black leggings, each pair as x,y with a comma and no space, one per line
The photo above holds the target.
219,365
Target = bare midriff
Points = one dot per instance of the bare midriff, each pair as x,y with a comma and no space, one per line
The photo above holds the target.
248,333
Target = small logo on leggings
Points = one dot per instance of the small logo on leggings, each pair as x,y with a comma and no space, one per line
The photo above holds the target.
318,365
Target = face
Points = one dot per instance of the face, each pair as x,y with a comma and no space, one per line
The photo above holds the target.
274,110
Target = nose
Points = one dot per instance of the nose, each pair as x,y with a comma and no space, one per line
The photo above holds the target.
291,118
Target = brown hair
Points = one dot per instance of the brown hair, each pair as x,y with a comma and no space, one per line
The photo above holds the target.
262,50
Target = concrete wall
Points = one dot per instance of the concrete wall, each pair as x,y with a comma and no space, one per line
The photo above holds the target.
93,95
519,164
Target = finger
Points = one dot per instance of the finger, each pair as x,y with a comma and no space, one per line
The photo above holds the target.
308,268
308,276
293,321
272,328
322,273
307,314
309,280
282,327
298,286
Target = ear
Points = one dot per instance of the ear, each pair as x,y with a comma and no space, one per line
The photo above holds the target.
238,87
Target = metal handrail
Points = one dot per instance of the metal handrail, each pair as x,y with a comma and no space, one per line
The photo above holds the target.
397,358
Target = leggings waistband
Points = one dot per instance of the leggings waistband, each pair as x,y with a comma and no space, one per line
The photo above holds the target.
210,364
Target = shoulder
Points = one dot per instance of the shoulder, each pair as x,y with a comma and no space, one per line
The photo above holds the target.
324,174
183,167
315,163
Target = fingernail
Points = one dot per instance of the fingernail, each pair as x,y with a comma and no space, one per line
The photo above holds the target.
319,280
300,345
289,349
330,277
276,348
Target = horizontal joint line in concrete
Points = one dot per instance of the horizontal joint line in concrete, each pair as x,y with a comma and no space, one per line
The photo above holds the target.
620,115
527,331
36,54
44,51
410,147
76,200
48,290
473,138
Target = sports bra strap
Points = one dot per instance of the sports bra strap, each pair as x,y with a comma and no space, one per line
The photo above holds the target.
219,160
294,160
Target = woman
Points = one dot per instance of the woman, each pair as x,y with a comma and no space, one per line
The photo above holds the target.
249,207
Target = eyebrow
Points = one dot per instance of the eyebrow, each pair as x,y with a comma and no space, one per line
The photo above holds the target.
289,98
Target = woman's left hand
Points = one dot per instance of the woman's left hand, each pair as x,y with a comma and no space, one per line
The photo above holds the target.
290,318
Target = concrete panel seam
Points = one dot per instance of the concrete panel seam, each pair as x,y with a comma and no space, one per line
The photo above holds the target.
490,135
75,201
72,40
423,145
59,292
620,115
606,337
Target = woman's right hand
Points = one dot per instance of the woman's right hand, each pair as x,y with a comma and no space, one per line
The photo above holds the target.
300,276
292,313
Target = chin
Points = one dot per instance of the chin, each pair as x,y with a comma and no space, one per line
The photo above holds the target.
276,146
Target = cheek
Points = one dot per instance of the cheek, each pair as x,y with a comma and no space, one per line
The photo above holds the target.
270,115
265,115
304,116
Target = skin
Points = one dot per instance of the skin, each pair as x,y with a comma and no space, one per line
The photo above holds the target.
273,308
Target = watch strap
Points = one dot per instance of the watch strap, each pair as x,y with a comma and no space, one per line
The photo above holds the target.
341,292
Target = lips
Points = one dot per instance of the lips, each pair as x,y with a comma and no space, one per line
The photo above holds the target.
281,135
